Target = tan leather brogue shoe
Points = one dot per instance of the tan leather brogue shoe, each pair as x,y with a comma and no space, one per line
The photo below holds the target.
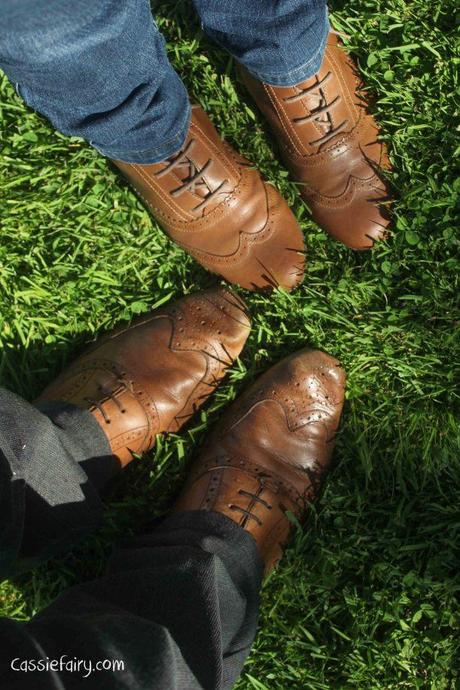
269,453
150,377
217,207
329,143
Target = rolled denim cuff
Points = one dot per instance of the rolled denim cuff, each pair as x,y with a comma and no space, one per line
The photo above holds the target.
303,71
155,154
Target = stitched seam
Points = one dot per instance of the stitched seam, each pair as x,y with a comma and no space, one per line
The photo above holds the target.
157,189
249,468
321,158
339,201
218,152
343,82
156,211
280,111
240,254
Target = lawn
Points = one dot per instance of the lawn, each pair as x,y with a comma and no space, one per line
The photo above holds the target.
368,596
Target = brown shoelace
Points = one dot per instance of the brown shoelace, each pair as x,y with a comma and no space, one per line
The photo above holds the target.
194,180
324,108
108,395
256,498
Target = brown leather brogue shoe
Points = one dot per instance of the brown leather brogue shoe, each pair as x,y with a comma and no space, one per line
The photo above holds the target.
269,453
329,143
150,377
217,207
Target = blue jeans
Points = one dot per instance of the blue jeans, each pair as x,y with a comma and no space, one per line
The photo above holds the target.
98,69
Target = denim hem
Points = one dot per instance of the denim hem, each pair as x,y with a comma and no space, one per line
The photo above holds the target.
154,155
304,71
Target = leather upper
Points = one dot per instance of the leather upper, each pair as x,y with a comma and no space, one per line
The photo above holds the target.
150,377
329,143
216,206
270,450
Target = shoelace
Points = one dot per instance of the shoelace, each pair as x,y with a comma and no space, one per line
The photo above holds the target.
195,178
323,109
315,481
108,395
256,498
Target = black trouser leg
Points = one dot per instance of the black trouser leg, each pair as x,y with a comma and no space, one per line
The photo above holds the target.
177,608
53,460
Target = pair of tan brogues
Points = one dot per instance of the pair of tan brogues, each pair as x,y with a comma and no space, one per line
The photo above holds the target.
215,205
269,452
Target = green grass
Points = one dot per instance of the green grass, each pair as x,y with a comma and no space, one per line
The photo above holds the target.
368,596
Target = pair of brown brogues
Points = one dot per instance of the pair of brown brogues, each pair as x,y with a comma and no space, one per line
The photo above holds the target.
216,206
267,455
